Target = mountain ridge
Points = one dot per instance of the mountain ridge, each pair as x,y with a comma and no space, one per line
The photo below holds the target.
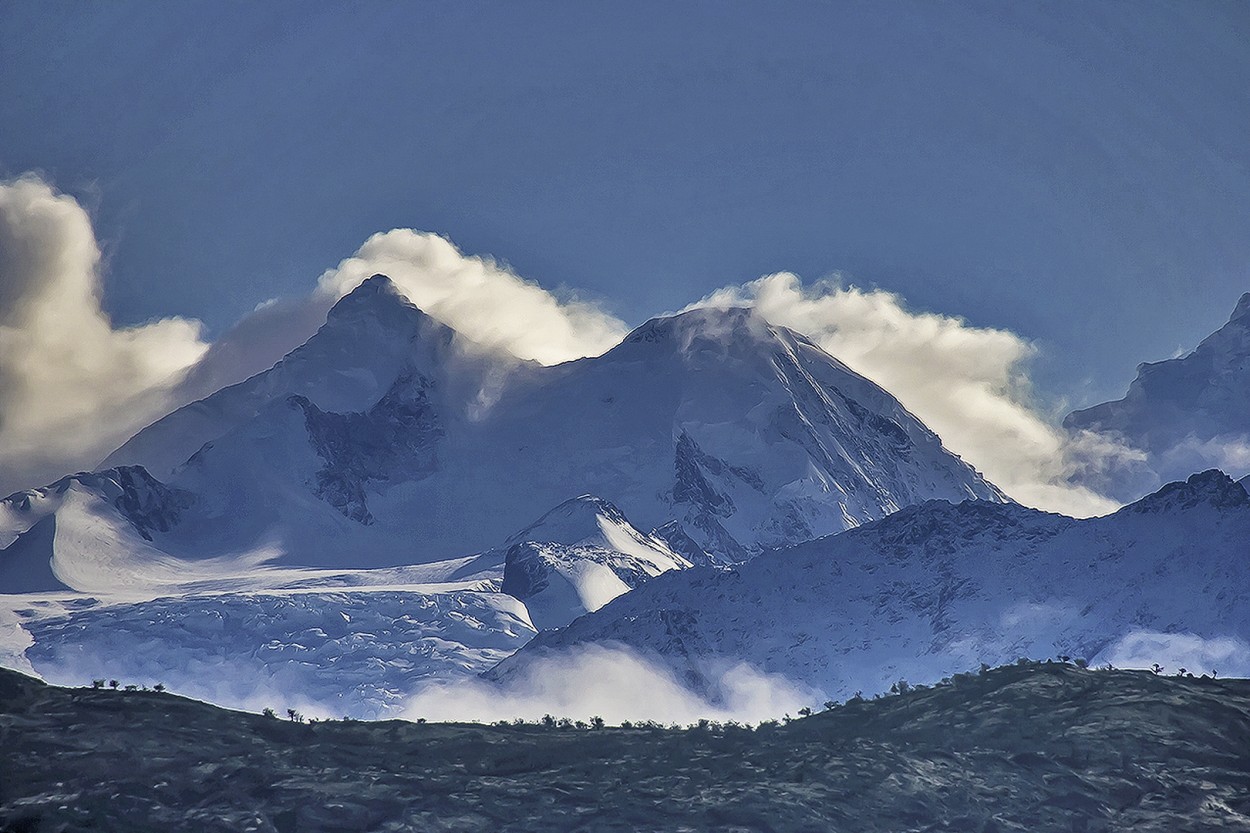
938,586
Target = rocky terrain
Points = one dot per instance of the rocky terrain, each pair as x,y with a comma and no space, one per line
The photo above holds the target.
1030,747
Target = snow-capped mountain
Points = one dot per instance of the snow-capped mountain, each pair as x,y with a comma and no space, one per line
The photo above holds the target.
371,338
1183,414
578,557
89,530
939,588
387,439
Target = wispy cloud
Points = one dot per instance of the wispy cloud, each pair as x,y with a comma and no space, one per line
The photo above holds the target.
1228,655
72,386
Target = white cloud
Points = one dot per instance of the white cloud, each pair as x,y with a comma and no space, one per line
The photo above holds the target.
1228,655
479,298
1228,452
615,684
969,384
71,385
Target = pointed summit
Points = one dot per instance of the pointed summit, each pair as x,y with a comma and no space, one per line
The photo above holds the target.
374,285
1241,313
375,296
715,323
576,521
372,336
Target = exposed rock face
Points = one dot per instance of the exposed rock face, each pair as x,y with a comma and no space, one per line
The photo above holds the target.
146,502
396,438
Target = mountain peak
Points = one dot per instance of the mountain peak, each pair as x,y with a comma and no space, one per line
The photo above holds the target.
1212,487
704,320
1182,412
376,295
572,522
1241,312
724,330
377,284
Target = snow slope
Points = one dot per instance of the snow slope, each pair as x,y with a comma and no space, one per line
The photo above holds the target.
386,439
939,588
1185,414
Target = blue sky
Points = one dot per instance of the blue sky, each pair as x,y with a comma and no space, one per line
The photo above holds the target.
1076,173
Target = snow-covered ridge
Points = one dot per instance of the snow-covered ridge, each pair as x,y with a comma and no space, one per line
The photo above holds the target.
939,588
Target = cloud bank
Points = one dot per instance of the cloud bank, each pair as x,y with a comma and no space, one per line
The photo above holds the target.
969,384
72,386
612,683
1228,655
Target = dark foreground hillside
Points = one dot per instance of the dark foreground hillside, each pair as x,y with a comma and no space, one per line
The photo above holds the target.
1036,748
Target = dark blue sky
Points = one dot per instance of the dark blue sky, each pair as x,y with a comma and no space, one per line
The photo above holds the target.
1078,173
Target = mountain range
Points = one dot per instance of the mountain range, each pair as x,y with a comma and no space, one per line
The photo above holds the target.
392,504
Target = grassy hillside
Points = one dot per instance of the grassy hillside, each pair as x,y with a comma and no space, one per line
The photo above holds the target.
1037,747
